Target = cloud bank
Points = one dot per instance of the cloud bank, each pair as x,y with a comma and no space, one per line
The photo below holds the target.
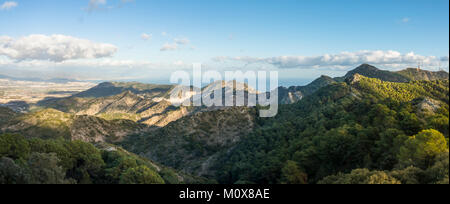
56,48
341,60
95,4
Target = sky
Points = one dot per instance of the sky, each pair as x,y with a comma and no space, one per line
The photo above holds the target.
148,39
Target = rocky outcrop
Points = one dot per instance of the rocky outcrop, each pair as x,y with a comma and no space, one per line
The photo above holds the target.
427,105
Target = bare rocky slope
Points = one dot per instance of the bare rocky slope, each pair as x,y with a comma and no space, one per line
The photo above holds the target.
146,104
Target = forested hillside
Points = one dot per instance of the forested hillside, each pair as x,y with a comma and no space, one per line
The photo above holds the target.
193,143
373,72
419,74
370,126
376,131
38,161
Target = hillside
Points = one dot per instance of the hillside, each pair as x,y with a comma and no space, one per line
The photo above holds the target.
113,88
406,75
364,123
141,103
57,136
370,126
192,143
419,74
373,72
339,129
6,114
294,94
229,90
147,104
37,161
53,124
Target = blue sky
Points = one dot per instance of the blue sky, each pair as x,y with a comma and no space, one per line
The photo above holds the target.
301,38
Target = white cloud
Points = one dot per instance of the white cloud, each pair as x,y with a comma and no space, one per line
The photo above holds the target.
169,47
182,41
92,69
146,36
55,48
405,20
8,5
164,33
177,43
342,60
95,4
91,64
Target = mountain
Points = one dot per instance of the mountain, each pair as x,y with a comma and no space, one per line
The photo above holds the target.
113,88
33,79
192,143
296,93
38,161
229,86
409,74
230,92
360,125
419,74
373,72
340,127
144,103
352,129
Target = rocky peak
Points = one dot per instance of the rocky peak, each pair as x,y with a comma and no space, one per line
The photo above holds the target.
353,79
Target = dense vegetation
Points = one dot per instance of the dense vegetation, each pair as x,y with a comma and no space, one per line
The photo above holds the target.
419,74
373,72
364,131
190,143
38,161
369,127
